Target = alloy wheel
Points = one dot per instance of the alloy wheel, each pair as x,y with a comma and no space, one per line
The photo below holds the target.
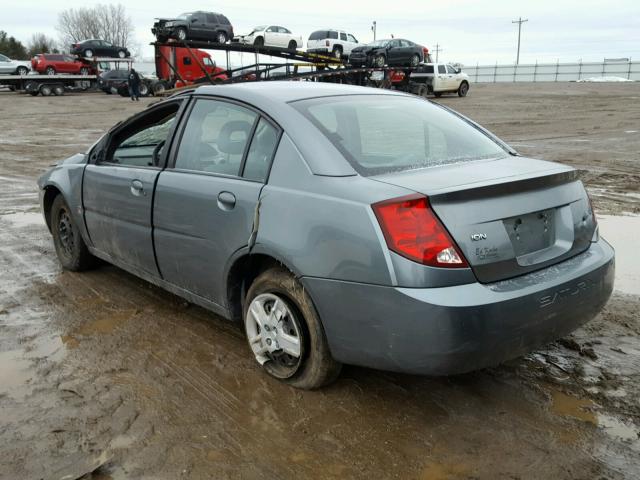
65,233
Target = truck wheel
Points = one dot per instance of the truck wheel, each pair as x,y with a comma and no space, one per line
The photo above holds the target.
437,94
222,37
67,240
379,61
293,45
58,90
50,71
181,33
144,89
45,90
337,52
122,54
88,53
22,70
159,88
285,333
259,42
463,89
415,60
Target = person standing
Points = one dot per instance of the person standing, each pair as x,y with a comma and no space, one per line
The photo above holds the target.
134,85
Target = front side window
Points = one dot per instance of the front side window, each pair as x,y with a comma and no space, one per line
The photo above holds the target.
450,69
3,58
207,62
352,38
215,137
386,133
139,144
283,30
442,69
272,29
343,36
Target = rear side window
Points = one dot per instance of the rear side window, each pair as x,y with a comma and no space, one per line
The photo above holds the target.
56,58
224,20
212,18
386,133
428,69
319,35
261,151
333,35
215,137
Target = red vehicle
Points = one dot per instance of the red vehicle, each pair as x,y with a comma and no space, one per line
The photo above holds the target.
54,63
187,64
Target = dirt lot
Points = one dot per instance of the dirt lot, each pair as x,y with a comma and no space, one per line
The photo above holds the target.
102,371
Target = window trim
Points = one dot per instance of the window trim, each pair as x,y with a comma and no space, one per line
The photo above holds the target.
179,134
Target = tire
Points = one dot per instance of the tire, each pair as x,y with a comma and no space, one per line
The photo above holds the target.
463,89
34,93
437,94
415,60
50,71
58,90
144,90
72,252
181,34
122,54
314,367
221,37
159,88
337,52
259,42
88,53
379,61
45,90
22,71
162,38
293,45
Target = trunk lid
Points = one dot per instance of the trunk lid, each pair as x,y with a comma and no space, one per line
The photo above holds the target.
509,216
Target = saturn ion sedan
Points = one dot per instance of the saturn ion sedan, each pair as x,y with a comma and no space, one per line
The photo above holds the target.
338,225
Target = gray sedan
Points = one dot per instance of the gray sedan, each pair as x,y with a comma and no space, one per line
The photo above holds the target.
338,224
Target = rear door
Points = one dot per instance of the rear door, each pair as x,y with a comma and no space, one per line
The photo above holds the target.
118,187
205,202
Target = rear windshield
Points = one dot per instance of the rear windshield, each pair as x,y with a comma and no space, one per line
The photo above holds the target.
387,133
319,35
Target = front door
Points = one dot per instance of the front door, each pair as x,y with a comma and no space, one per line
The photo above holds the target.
118,187
205,202
5,65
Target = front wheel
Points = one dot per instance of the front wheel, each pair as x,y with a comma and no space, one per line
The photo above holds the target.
463,89
22,71
84,71
88,53
181,33
437,94
415,60
122,53
144,89
285,333
67,240
50,71
379,61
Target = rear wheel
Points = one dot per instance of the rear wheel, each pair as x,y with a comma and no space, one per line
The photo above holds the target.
70,247
437,94
88,53
463,89
58,90
285,333
22,70
293,45
45,90
337,52
50,71
222,37
181,33
379,61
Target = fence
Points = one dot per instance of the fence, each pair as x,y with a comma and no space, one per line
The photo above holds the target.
553,72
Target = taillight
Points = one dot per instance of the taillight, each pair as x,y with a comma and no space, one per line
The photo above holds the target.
413,230
593,212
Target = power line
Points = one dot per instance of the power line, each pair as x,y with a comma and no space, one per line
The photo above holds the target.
520,21
437,50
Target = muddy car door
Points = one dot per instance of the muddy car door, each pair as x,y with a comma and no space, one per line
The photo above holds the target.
118,187
206,200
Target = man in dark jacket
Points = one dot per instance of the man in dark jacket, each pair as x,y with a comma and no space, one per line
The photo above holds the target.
134,85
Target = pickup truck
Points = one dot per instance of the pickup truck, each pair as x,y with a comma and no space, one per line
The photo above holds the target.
438,78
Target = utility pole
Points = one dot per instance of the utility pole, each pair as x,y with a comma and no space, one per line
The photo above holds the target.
520,21
373,29
437,50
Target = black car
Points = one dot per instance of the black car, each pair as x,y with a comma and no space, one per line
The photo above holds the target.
99,48
394,52
116,81
209,26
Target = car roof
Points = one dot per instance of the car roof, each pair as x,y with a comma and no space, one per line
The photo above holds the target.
288,91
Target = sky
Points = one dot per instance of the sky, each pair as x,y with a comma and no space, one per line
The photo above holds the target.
468,32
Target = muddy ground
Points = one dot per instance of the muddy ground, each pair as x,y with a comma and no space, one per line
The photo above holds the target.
103,372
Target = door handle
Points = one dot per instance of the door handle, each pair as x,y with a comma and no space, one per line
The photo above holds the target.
226,200
137,188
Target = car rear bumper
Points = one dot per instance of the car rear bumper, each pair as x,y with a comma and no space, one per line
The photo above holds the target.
450,330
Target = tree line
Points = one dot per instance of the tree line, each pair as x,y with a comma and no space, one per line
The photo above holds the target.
106,22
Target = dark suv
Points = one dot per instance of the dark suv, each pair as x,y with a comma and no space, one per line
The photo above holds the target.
199,25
